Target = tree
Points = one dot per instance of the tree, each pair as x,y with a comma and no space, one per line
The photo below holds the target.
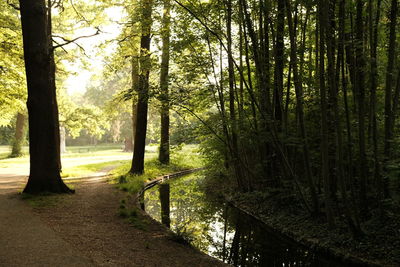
389,77
143,88
20,134
163,155
44,135
360,91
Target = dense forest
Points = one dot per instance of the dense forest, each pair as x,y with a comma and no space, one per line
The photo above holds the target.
288,99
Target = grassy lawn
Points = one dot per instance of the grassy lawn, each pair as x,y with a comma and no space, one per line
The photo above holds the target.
89,169
107,150
72,151
85,161
82,161
5,151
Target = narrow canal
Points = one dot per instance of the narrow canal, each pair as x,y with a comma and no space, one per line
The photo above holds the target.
222,231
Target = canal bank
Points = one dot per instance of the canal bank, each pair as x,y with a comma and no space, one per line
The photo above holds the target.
235,236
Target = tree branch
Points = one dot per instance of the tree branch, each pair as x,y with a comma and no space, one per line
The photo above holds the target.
251,93
67,41
13,5
202,121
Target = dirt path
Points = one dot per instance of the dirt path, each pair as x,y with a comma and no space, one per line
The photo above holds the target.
84,229
26,241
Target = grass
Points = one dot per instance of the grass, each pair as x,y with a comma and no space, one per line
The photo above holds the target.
182,158
5,151
89,169
132,216
98,150
72,152
41,201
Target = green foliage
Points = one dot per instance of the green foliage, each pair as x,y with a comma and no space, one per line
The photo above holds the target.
6,135
12,75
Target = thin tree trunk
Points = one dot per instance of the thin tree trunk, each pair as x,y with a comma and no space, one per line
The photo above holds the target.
389,78
279,59
324,115
248,67
373,32
360,91
333,86
389,111
163,155
135,70
299,98
233,123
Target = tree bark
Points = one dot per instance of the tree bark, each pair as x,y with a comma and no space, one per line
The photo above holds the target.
373,32
279,60
44,135
324,115
63,148
389,78
143,89
19,137
360,92
128,144
163,155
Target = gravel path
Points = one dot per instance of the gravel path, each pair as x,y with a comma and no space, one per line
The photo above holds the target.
84,229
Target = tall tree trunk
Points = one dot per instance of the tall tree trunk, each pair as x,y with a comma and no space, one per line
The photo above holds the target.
334,93
248,66
232,111
300,111
53,79
163,155
390,72
19,137
279,59
143,88
324,114
44,135
135,67
360,91
389,78
373,32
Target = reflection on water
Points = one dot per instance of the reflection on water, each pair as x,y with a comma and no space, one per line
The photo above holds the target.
222,231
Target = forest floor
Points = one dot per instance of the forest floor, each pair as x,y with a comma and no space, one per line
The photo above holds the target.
84,229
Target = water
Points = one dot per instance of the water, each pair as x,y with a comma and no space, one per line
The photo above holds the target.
221,230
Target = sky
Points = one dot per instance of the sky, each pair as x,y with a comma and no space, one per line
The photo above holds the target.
79,76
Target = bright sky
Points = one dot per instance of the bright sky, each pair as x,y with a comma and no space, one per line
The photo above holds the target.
80,76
